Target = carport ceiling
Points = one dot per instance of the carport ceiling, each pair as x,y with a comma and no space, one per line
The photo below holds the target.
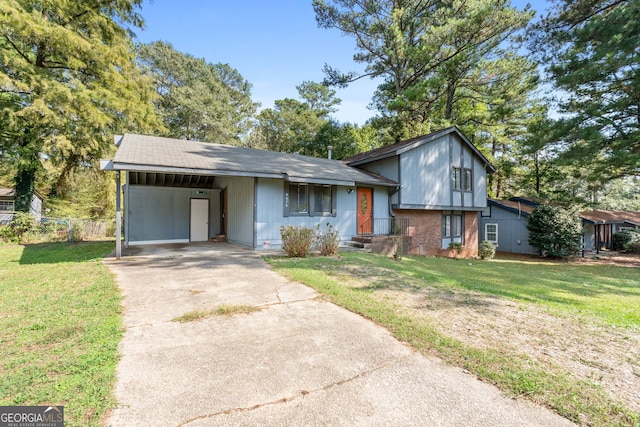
171,180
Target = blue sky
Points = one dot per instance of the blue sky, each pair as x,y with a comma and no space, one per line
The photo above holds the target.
274,44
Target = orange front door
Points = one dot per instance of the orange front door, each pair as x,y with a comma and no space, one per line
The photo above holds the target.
365,210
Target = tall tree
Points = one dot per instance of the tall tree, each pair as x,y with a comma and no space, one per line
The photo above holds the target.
592,52
426,51
68,81
292,125
198,100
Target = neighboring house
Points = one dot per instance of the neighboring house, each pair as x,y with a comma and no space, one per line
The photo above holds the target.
7,205
186,191
601,225
443,186
429,188
504,223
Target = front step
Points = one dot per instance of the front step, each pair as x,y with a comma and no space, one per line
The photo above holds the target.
356,246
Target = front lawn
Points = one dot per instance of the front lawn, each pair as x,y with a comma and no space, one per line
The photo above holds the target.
562,335
60,326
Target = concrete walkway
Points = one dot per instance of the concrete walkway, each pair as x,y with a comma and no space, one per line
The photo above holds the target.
298,361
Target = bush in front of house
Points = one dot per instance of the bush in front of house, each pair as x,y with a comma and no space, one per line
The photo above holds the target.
555,231
487,250
627,240
296,240
327,240
21,224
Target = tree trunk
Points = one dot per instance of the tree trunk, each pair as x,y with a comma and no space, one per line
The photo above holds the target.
25,179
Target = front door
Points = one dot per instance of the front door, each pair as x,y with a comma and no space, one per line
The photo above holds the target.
199,230
365,210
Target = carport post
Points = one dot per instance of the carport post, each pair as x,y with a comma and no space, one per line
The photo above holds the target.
118,219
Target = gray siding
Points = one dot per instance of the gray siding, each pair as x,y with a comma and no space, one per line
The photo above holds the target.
270,216
240,208
389,168
426,176
513,235
161,214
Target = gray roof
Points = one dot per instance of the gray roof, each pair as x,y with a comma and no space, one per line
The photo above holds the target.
404,146
167,155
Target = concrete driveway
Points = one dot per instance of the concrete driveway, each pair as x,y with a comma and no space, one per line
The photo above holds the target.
298,361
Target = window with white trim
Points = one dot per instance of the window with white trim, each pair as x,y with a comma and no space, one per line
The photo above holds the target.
491,233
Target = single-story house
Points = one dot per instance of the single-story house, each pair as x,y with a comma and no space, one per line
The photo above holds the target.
7,205
504,223
184,191
601,225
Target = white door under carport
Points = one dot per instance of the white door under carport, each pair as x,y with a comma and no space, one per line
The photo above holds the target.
199,230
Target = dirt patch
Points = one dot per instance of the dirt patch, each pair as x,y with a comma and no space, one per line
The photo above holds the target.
589,350
605,355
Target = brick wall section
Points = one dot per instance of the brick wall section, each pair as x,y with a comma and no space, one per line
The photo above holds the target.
470,248
425,230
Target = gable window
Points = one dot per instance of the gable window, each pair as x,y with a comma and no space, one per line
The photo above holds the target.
486,212
457,179
466,180
6,205
309,199
461,179
299,199
491,233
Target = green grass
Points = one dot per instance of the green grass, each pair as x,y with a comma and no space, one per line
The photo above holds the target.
223,310
60,325
601,294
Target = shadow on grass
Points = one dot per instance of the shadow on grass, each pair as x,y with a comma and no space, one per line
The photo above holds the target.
54,253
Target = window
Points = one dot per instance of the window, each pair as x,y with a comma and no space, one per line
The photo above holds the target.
6,205
462,179
466,180
451,225
322,200
457,179
299,199
310,200
491,233
486,212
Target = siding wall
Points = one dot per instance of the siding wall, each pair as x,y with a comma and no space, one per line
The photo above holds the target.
240,208
426,176
270,212
388,168
513,235
161,214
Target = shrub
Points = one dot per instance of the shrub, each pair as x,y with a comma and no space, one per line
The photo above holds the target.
487,250
626,239
21,224
296,241
555,231
327,240
456,247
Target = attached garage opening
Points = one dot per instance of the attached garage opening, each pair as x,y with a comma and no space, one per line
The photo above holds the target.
171,208
171,180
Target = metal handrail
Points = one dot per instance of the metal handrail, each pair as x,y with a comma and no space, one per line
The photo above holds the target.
384,227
